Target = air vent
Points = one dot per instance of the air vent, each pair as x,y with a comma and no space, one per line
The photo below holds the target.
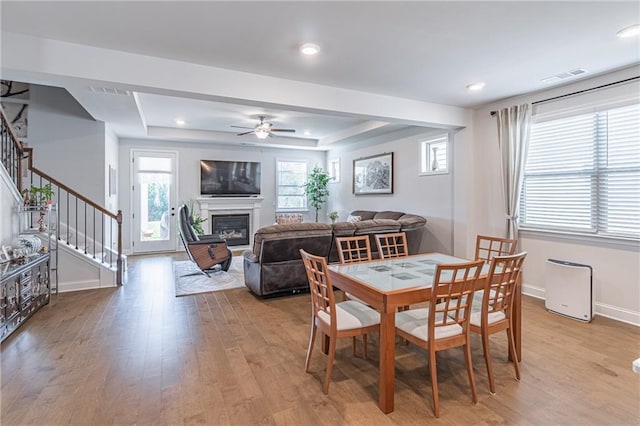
564,75
109,91
577,71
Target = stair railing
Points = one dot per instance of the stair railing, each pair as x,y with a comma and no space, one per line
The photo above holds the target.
11,151
89,227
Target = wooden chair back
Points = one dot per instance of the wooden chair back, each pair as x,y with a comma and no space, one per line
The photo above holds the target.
322,296
392,245
501,285
451,298
489,247
353,249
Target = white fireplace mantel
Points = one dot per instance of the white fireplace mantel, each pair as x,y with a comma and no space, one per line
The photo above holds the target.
217,205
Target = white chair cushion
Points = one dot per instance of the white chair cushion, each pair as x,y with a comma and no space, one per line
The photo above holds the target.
352,314
476,305
493,317
414,322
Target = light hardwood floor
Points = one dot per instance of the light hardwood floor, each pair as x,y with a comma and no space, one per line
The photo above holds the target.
139,355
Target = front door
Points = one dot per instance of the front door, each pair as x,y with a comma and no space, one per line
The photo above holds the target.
154,201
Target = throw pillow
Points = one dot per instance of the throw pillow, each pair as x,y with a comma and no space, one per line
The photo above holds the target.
353,219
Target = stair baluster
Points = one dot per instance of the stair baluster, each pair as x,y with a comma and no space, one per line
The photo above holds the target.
12,154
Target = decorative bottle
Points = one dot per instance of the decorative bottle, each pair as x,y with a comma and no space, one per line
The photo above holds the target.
434,161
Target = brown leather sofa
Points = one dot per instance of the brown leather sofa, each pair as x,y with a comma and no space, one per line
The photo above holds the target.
274,266
372,222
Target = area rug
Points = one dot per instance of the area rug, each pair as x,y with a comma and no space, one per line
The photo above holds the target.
189,279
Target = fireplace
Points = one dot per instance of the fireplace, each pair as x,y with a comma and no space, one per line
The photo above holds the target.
227,206
232,227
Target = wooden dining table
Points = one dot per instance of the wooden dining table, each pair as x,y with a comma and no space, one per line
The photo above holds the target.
387,285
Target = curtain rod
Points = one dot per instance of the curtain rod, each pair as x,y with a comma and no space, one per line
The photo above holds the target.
580,91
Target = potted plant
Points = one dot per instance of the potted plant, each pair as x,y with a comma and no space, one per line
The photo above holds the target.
195,218
37,196
316,188
46,194
333,216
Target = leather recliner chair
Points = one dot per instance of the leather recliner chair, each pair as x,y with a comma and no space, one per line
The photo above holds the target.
206,251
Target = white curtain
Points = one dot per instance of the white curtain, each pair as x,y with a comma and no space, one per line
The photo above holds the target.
514,124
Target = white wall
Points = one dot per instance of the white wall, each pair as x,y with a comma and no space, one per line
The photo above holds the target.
430,196
616,267
189,156
69,144
111,159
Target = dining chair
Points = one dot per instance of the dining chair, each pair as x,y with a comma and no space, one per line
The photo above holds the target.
488,247
336,320
444,324
392,245
495,311
353,249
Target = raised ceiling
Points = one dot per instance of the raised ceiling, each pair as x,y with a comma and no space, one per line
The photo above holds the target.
423,51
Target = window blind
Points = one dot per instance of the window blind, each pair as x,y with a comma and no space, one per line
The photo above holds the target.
583,173
291,176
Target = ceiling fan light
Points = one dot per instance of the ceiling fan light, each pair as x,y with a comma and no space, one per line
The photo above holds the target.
262,133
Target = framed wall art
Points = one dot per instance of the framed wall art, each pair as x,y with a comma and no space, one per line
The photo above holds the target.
373,175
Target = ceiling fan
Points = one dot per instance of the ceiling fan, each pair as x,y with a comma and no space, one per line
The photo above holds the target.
262,130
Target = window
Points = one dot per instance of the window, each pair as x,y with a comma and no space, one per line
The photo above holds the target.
334,170
583,174
290,178
434,155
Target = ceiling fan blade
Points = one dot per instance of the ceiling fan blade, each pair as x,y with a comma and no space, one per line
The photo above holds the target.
245,133
283,130
241,127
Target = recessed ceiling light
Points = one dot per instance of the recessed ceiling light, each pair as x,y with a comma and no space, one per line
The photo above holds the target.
309,49
476,86
307,133
631,31
180,121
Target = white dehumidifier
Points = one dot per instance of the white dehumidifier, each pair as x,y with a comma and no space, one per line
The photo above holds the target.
569,289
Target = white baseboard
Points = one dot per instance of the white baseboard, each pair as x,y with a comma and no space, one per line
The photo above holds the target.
618,314
81,285
533,291
602,309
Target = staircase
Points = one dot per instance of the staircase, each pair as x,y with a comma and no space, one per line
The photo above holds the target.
84,228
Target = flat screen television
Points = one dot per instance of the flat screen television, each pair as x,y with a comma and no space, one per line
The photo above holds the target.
229,178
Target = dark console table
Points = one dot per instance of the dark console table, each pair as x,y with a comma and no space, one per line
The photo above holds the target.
24,288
